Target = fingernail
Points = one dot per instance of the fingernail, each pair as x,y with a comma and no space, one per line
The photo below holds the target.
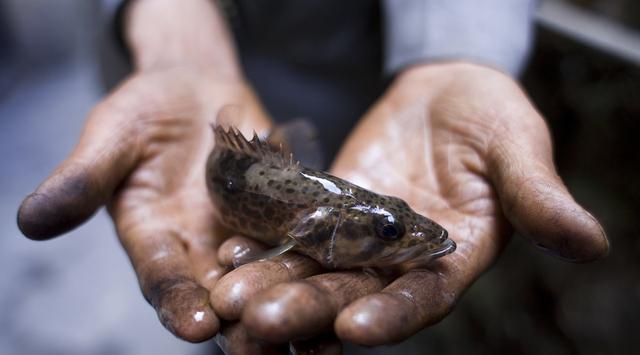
603,234
241,252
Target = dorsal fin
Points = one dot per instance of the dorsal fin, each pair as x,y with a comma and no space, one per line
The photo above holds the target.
233,139
300,137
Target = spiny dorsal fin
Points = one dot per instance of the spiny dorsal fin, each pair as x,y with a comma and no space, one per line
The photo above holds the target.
301,137
233,139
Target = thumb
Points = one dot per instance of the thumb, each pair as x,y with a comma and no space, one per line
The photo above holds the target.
533,197
77,188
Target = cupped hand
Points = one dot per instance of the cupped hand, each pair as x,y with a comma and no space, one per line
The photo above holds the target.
142,153
463,145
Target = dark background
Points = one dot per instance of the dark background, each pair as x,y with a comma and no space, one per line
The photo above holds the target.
77,295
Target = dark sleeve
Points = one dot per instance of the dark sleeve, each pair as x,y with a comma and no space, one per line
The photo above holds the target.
496,33
113,54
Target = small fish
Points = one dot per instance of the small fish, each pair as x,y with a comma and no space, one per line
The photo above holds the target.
262,194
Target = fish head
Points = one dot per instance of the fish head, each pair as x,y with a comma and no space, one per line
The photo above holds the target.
387,234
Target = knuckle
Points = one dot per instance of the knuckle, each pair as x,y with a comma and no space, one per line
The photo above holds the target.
166,290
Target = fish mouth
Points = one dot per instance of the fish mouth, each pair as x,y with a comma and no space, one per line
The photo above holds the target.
420,256
448,246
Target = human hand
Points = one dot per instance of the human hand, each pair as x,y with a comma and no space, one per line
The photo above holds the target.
462,145
142,154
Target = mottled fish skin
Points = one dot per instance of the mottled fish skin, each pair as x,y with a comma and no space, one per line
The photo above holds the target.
263,195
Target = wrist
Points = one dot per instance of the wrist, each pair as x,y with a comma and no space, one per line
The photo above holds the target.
435,75
445,68
170,33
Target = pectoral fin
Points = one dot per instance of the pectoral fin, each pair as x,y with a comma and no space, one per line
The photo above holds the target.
310,222
267,254
316,233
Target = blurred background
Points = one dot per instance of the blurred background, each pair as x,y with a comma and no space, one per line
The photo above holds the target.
78,294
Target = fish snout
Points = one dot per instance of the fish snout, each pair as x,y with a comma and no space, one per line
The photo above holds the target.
439,236
444,235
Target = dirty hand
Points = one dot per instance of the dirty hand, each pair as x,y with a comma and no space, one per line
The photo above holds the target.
463,145
142,154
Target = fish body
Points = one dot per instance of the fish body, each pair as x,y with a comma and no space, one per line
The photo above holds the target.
262,194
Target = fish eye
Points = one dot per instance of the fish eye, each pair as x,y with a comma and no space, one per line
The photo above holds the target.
389,228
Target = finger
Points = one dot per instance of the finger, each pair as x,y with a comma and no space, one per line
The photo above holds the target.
168,284
303,309
234,340
203,254
397,312
237,249
534,198
415,300
326,344
200,235
104,155
422,297
236,288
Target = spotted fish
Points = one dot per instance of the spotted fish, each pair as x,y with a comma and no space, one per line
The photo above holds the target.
263,194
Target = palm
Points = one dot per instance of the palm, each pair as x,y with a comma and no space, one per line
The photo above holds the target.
426,156
142,153
162,211
463,146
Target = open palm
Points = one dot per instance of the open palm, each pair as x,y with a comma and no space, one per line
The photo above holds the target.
142,154
463,146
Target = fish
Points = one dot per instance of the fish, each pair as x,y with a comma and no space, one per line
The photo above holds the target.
262,193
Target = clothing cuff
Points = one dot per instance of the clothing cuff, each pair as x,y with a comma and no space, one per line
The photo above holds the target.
496,33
